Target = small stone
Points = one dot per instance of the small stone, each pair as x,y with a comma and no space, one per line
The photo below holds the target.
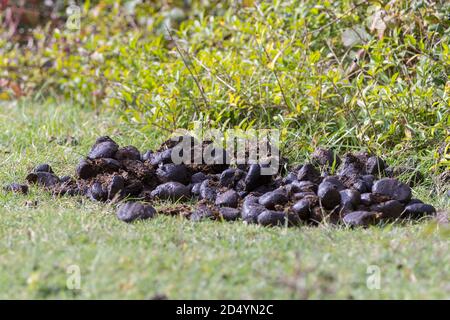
350,199
418,210
251,209
325,158
335,181
44,179
368,180
392,209
132,211
108,165
227,178
228,198
392,188
308,173
85,170
291,177
140,170
128,153
116,185
329,195
302,186
251,198
195,190
303,208
366,199
208,191
375,165
173,172
273,198
360,218
97,192
162,157
352,166
202,212
104,147
198,177
229,214
272,218
360,186
16,188
43,168
172,191
254,178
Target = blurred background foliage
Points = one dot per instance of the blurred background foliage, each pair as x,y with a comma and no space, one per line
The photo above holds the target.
344,73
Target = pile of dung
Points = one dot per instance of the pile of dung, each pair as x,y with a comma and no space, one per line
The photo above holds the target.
362,192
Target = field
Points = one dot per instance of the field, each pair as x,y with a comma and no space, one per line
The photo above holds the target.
348,75
42,244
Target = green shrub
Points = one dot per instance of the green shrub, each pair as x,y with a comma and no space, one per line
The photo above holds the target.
367,73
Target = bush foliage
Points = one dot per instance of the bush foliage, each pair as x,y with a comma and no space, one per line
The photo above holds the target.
352,73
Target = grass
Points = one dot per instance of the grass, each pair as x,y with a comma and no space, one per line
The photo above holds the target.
175,257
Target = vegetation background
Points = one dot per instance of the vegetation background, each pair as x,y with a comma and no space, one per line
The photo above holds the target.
352,75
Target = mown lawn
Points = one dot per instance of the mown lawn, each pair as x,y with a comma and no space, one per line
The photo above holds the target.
175,257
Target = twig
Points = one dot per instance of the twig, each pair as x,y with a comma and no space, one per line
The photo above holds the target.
274,73
211,73
339,18
200,88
